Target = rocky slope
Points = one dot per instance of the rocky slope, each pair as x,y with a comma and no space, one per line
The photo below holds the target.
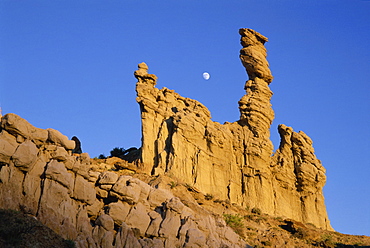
96,207
233,161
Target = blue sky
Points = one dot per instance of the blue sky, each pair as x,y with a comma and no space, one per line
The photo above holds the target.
69,65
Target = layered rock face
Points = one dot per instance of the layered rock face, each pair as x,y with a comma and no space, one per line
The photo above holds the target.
40,176
233,161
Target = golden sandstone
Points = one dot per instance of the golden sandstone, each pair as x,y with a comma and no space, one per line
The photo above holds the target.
233,161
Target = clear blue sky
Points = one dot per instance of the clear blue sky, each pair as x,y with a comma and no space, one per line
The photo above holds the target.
69,65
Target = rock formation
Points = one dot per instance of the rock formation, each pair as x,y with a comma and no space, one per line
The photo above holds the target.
233,161
40,176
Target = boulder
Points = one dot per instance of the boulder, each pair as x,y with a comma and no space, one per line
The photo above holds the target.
16,125
57,209
105,221
153,228
8,145
58,172
176,205
94,176
56,137
84,190
126,190
138,218
158,196
32,187
108,177
118,211
60,154
94,209
25,155
170,225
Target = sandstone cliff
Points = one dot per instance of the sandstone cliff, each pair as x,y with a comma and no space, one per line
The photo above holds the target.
233,161
84,202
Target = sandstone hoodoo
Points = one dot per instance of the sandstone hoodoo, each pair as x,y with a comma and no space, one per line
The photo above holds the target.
176,190
233,161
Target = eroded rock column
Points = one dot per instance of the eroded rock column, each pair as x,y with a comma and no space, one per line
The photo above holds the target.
255,107
253,129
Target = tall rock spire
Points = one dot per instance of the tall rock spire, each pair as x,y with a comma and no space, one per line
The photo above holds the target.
255,107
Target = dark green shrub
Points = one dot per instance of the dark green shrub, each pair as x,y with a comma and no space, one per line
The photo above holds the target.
118,152
208,197
256,211
130,154
102,156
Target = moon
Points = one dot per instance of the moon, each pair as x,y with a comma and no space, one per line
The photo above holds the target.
206,75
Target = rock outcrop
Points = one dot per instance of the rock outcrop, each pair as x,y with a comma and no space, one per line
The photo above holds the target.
233,161
40,176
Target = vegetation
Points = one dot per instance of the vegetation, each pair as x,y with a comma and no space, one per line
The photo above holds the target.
118,152
130,154
279,218
102,156
173,184
327,240
256,211
208,197
235,221
218,201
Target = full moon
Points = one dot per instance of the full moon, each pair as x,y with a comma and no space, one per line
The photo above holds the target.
206,75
